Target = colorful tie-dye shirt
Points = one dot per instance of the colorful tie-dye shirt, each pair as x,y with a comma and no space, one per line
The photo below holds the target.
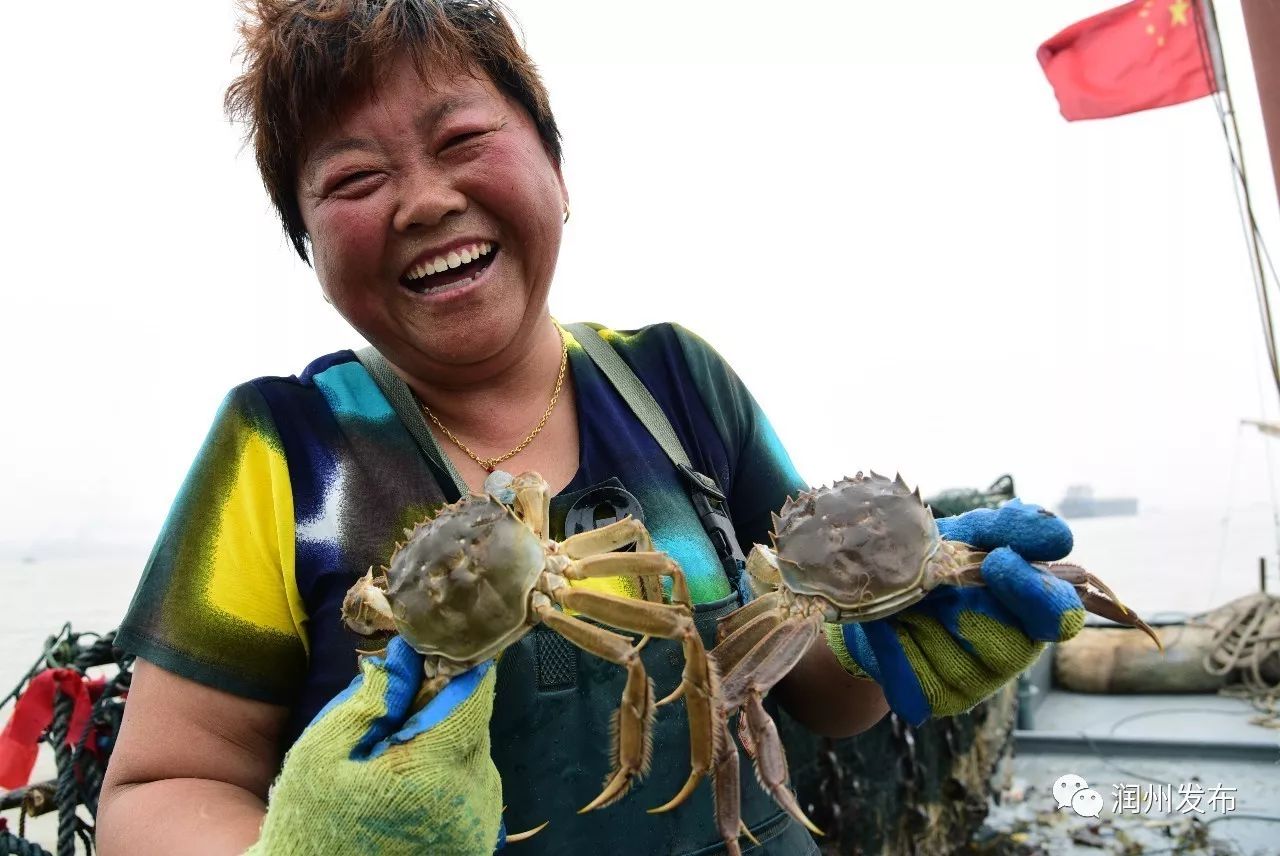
305,482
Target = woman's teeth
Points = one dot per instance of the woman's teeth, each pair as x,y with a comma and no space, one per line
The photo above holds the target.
453,259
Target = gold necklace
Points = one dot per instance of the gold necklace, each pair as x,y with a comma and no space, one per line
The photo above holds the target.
491,464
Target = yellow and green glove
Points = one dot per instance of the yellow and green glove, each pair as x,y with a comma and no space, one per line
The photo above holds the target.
957,646
370,775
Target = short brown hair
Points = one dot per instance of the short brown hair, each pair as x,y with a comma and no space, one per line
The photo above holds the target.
303,59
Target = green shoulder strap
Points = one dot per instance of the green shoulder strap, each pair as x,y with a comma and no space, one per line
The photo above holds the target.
406,407
633,392
706,496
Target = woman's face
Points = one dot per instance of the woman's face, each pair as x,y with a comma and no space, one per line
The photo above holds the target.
413,179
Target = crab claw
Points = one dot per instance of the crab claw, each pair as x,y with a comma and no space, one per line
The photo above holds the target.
1102,602
365,608
1117,612
672,696
527,834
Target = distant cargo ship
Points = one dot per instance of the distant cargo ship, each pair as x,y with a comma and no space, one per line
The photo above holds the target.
1080,502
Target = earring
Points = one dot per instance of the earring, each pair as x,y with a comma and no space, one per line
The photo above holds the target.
566,212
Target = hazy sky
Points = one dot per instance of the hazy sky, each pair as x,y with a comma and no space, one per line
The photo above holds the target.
873,210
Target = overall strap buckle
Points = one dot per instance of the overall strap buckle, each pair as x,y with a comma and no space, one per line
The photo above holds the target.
708,502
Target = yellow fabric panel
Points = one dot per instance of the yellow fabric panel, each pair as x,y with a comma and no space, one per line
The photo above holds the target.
621,586
256,531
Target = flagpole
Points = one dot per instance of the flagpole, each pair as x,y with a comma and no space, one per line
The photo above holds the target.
1262,26
1210,46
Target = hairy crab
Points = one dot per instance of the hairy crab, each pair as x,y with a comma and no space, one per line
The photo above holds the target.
478,575
862,549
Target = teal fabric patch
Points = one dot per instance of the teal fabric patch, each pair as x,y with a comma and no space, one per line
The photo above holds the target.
350,391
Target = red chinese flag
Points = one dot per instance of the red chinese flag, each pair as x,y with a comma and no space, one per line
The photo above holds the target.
1144,54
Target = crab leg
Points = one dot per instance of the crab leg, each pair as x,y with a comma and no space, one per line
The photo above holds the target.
679,586
762,565
638,565
533,502
365,608
1078,576
633,720
1099,605
727,788
730,650
745,614
770,759
753,676
608,538
620,533
770,660
699,678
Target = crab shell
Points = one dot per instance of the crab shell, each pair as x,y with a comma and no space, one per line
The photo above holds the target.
459,587
866,545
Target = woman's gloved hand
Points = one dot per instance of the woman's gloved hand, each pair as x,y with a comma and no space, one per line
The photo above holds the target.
371,776
958,645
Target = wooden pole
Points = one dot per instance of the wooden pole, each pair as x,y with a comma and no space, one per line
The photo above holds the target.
1262,22
38,798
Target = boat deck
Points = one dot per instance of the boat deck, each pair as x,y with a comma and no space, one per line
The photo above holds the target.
1177,773
1194,717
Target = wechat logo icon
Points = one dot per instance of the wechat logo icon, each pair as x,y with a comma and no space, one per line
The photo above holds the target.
1073,792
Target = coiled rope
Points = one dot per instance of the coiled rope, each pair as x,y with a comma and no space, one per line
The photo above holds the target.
12,844
1246,649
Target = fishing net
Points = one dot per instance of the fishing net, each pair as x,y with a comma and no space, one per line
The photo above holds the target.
81,758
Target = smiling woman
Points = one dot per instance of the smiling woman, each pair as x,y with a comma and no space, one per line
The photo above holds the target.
411,154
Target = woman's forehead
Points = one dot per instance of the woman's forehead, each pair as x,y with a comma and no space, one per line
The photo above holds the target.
440,90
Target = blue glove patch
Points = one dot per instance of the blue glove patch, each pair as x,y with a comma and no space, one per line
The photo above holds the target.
502,835
855,642
403,666
1033,532
404,678
888,666
1036,599
458,690
401,663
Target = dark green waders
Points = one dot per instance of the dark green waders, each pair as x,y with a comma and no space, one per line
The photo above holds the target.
551,742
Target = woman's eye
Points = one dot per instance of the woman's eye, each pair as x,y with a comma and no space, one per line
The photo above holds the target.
460,139
354,181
